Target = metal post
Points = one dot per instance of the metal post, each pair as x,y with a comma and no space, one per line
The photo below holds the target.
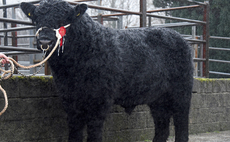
99,3
195,48
47,69
5,27
14,36
150,21
201,56
99,17
120,22
206,38
13,25
32,57
143,13
5,24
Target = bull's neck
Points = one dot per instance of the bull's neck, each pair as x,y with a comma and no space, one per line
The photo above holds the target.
86,26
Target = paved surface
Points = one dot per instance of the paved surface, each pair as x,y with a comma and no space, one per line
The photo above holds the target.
222,136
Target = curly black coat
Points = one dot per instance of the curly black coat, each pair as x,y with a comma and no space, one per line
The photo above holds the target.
101,67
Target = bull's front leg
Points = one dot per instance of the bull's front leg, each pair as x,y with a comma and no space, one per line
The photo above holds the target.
96,118
94,130
76,127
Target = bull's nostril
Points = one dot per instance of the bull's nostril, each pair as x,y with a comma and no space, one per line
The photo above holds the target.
45,42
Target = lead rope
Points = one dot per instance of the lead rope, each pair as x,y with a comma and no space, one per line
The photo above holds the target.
3,77
12,62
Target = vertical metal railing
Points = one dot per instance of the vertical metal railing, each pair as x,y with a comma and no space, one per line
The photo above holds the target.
143,13
5,27
5,24
14,35
206,38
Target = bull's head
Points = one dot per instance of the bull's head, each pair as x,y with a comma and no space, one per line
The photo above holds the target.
49,16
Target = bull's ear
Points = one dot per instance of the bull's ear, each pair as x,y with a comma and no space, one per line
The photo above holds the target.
79,10
28,9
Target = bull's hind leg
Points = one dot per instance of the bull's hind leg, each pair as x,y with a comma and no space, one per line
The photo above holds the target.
181,126
181,118
161,116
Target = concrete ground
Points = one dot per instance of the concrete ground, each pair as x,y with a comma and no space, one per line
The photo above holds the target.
219,136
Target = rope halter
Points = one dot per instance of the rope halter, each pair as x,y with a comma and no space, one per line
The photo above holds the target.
60,33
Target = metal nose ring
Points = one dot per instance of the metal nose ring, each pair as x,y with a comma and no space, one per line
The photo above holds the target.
45,49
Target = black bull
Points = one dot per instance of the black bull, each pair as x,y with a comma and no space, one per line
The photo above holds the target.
101,66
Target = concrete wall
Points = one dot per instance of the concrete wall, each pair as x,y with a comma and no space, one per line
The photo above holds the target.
210,109
35,113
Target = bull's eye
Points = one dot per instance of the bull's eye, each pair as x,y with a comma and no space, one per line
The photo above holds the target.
60,25
56,27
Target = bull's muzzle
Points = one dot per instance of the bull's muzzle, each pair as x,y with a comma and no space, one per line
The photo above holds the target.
45,44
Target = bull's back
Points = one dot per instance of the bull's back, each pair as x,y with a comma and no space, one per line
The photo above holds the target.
153,60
